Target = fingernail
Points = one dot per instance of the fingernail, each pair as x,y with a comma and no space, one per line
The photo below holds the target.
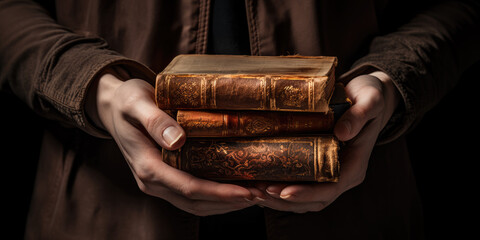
285,196
260,199
272,191
171,135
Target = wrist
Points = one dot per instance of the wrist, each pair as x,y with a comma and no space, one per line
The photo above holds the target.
99,98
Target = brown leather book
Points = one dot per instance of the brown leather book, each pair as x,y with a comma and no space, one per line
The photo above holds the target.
252,123
233,82
309,158
245,123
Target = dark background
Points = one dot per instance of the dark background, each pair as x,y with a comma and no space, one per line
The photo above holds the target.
442,149
444,153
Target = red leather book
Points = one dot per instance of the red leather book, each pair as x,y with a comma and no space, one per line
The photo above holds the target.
252,123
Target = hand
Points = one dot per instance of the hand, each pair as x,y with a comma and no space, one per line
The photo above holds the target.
374,100
128,112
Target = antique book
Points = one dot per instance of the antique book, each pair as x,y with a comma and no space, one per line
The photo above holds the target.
234,82
244,123
252,123
307,158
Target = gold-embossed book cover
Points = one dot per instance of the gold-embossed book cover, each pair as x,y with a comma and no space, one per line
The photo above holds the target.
249,123
254,117
307,158
233,82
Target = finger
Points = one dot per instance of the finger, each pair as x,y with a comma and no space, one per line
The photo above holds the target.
282,205
258,195
275,189
180,190
355,159
145,160
205,208
303,193
365,107
311,192
354,165
155,174
197,188
160,126
139,108
356,156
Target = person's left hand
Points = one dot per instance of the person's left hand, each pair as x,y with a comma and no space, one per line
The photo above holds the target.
374,99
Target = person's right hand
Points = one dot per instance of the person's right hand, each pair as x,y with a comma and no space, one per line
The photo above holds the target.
127,110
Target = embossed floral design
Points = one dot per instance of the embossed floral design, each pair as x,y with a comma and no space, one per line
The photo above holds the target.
251,161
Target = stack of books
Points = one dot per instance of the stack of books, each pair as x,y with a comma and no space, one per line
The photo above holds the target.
265,118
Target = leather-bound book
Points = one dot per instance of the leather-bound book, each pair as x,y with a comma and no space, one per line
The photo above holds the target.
308,158
233,82
252,123
245,123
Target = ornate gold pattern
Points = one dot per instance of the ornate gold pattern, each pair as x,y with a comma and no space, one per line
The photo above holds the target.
262,160
259,126
292,97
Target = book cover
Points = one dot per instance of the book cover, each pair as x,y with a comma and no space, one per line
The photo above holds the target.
308,158
253,123
234,82
245,123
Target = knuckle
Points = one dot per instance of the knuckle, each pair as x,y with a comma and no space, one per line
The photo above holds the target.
152,121
130,101
188,190
145,173
376,98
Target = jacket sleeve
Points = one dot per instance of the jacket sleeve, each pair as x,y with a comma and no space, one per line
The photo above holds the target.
425,58
51,68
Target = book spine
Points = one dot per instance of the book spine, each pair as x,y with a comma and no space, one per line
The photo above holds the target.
252,123
244,92
312,158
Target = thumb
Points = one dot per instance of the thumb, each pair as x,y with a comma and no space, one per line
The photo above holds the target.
351,123
366,94
165,130
162,128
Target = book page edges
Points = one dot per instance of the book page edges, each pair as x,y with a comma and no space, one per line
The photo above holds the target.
244,64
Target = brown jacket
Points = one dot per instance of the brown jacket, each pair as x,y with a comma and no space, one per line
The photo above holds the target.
84,190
